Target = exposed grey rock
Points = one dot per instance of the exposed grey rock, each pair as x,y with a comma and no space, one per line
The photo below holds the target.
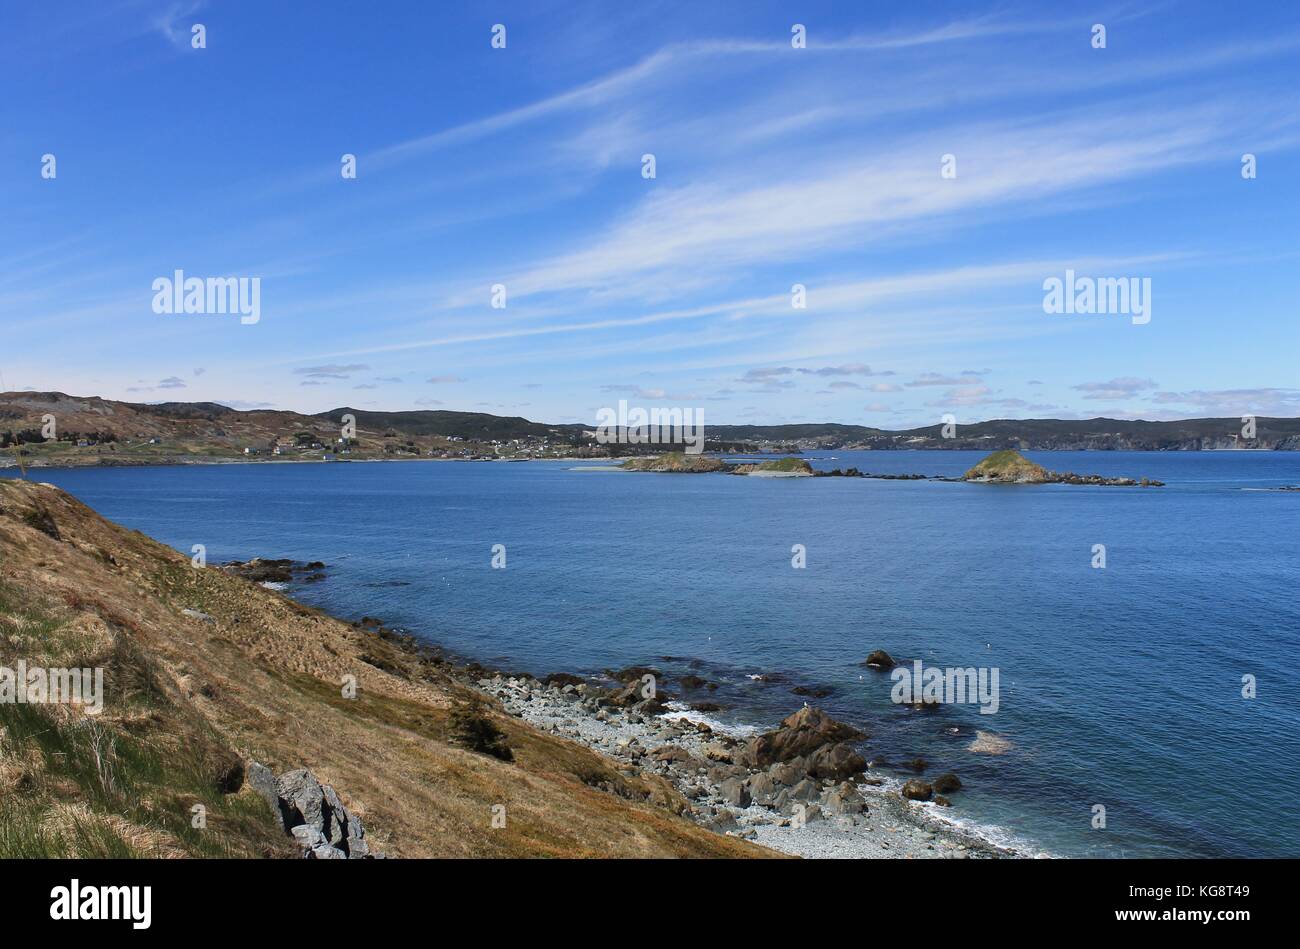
337,818
789,773
799,734
261,779
720,772
734,792
805,791
307,837
838,761
313,814
845,799
762,788
301,798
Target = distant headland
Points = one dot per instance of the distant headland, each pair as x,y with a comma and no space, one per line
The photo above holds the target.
53,428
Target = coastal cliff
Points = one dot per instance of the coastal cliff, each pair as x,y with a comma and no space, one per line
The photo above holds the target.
213,684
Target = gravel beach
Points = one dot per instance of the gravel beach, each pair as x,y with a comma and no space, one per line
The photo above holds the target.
791,805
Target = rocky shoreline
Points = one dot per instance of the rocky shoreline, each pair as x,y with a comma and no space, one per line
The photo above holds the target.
802,789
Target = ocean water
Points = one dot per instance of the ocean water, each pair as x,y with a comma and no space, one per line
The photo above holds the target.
1119,687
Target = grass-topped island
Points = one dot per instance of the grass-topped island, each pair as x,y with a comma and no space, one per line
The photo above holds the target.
1011,467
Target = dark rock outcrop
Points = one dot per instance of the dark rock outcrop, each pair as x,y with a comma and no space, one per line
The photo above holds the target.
836,762
274,571
799,734
946,783
845,799
312,813
880,660
917,790
564,678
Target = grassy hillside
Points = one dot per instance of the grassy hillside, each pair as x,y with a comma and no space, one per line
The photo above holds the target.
249,674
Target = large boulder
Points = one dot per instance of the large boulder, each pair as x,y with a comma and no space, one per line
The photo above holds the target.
312,813
670,754
806,791
314,845
880,660
799,734
845,799
789,773
301,799
262,780
636,694
762,788
947,783
734,792
836,762
917,790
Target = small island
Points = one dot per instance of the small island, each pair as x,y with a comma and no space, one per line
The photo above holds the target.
1011,467
777,468
680,463
676,462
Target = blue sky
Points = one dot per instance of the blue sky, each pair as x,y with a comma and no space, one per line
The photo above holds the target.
522,166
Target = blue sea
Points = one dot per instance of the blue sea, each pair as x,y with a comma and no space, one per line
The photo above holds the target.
1119,686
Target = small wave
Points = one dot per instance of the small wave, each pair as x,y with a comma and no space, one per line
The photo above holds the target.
680,711
989,833
274,585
